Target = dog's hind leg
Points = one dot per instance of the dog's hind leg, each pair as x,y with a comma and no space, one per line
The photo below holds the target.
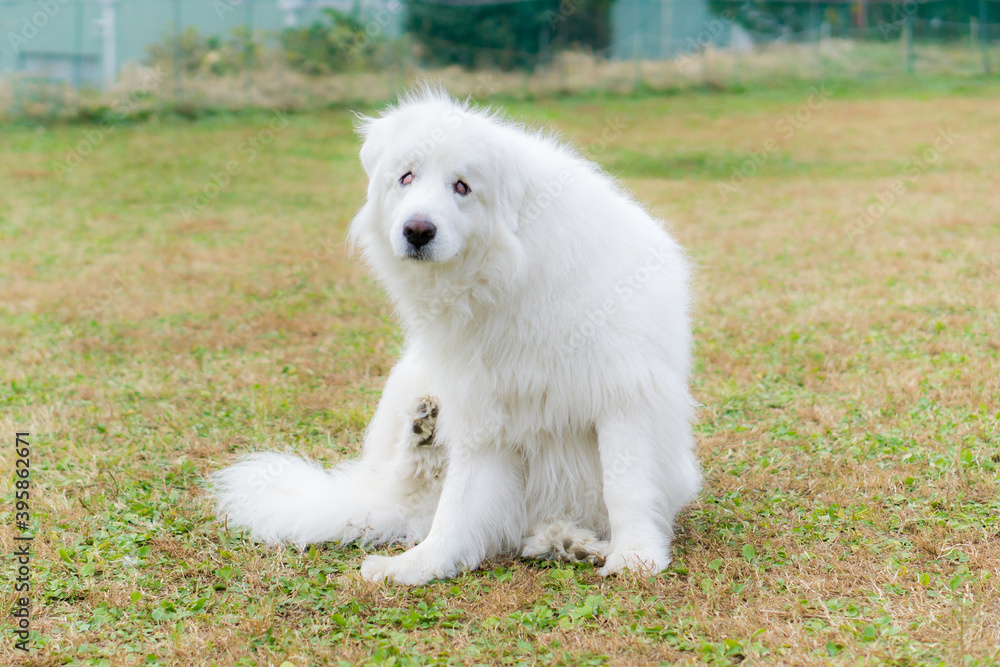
562,541
388,495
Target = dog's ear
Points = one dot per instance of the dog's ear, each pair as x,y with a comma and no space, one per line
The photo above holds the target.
375,134
512,187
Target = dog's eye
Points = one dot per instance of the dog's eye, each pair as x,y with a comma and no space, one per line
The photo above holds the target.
406,178
461,188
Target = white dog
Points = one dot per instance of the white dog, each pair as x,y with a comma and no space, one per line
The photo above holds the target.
541,401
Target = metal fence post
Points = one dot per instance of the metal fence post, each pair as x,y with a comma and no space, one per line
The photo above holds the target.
908,36
984,35
638,41
248,51
78,46
178,52
543,44
814,22
109,37
737,58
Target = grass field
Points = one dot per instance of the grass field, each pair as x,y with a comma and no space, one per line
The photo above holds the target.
847,363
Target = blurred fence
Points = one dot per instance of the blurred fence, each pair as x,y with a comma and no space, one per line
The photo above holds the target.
58,57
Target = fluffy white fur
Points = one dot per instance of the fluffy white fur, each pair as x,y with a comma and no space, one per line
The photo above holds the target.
548,317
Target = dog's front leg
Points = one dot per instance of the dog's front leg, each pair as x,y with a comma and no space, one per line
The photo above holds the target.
481,512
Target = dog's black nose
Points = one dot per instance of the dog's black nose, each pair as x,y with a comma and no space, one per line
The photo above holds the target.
419,232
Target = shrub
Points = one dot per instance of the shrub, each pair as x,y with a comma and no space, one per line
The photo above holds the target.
337,44
509,36
208,54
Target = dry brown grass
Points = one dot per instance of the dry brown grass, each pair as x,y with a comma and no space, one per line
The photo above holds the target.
273,85
849,384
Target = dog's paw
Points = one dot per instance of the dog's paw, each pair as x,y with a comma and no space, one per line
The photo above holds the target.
637,561
565,542
584,551
424,419
403,569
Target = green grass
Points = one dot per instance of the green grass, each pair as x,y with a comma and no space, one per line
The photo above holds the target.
849,385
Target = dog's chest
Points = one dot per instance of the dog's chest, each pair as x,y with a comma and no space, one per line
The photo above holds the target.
513,401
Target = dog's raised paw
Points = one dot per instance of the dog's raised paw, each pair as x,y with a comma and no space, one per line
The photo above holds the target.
424,420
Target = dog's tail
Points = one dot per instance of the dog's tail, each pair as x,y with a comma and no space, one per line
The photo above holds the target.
282,498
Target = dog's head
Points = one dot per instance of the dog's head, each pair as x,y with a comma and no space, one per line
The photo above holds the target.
444,183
